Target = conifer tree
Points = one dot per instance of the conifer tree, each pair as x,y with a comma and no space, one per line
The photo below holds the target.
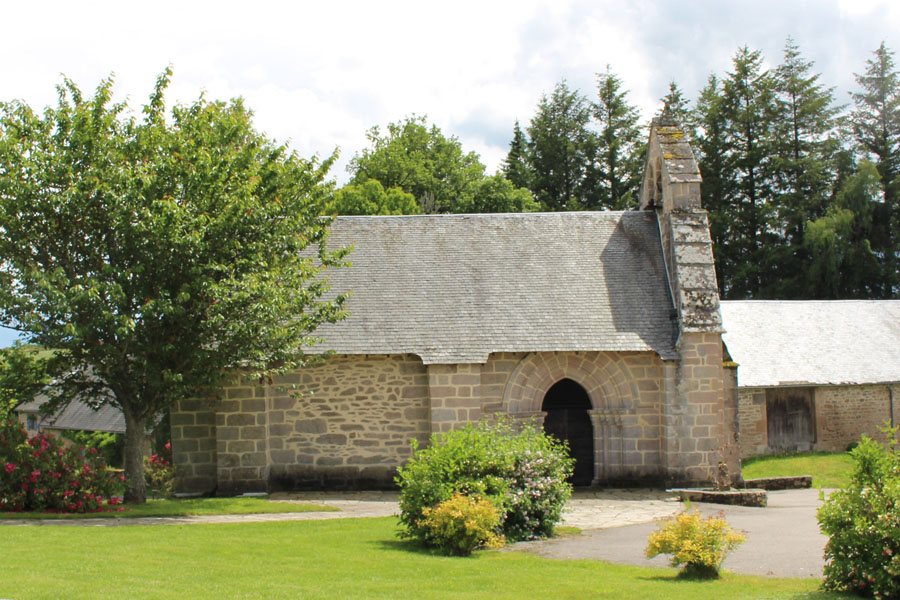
561,149
805,146
516,166
619,158
748,112
876,126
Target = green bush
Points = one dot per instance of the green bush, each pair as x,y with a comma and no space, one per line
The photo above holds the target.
863,524
43,474
698,546
522,473
463,523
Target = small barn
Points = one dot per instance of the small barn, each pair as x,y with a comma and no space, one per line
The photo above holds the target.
814,375
601,327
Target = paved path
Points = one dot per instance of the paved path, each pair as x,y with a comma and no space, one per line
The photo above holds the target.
783,540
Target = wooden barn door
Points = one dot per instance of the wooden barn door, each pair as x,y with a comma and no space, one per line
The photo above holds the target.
567,405
791,419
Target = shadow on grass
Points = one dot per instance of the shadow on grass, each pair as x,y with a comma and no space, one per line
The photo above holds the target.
409,546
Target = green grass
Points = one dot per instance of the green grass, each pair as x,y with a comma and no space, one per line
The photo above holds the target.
829,470
184,508
353,558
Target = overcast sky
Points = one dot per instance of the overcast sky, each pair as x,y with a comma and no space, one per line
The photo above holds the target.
319,74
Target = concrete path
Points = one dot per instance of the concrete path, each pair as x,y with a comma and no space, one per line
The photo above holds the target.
783,539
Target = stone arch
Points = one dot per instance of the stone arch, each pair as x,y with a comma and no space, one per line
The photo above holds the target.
607,380
604,376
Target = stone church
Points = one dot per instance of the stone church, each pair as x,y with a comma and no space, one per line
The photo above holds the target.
602,327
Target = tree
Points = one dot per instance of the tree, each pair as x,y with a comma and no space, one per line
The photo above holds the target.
620,154
748,113
370,198
876,125
516,165
421,161
497,194
156,254
24,371
710,145
843,263
804,154
561,150
676,106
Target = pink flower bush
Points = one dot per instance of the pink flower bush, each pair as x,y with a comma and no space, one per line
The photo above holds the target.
42,474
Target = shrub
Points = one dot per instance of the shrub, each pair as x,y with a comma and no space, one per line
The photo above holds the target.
863,524
463,523
522,473
697,545
159,473
43,474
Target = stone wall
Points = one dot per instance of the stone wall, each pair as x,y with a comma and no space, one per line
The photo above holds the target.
697,432
842,415
353,420
194,445
752,412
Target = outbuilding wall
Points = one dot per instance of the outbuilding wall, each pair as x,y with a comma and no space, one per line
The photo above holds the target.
842,415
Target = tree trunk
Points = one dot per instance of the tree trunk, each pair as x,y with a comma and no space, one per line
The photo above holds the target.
135,449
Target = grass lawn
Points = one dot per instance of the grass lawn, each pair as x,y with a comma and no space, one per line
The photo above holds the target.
829,470
184,508
353,558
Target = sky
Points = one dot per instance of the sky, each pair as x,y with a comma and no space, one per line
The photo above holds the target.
319,74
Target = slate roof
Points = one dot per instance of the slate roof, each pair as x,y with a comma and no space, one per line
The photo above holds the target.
826,342
79,416
455,288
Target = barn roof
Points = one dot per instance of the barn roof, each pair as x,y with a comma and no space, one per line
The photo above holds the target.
78,416
455,288
822,342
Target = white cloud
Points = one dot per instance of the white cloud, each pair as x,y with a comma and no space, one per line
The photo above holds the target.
322,73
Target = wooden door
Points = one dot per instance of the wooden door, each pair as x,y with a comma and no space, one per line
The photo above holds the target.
567,405
790,419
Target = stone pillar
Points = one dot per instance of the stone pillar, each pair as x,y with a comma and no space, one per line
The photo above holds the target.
454,393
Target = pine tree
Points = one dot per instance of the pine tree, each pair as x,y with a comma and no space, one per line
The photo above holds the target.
561,149
676,106
710,146
619,158
516,166
876,125
805,147
748,111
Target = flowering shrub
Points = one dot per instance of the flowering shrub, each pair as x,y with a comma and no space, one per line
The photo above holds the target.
863,524
159,474
697,545
463,523
522,473
43,474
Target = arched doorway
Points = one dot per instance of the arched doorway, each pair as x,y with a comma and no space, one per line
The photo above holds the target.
567,404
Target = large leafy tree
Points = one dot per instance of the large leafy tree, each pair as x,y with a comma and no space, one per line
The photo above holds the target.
616,173
370,198
156,253
561,150
843,262
421,161
24,371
